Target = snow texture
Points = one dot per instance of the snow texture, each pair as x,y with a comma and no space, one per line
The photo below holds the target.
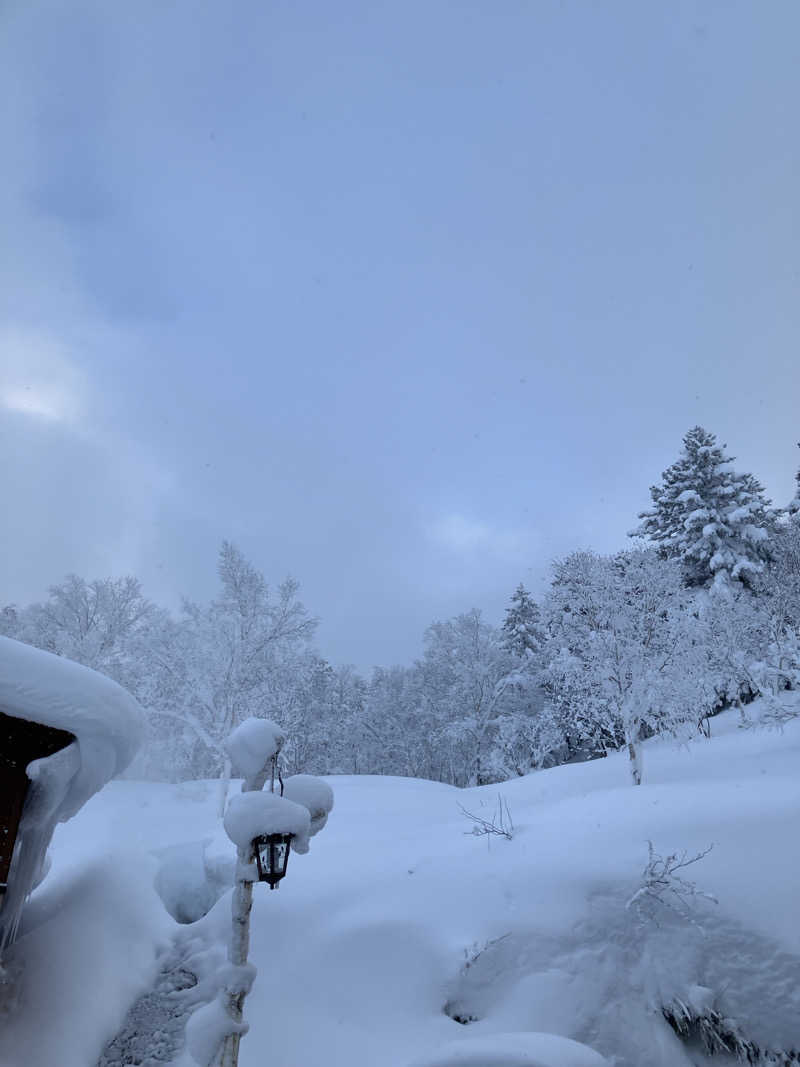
314,794
252,814
515,1050
253,744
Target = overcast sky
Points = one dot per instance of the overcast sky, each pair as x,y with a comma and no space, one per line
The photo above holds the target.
404,298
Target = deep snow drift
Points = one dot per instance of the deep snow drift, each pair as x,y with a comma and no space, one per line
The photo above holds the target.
400,921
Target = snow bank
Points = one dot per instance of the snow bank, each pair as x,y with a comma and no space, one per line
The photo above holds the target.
250,815
88,947
253,744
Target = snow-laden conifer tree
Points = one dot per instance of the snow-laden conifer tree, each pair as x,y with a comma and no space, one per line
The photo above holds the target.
521,630
714,520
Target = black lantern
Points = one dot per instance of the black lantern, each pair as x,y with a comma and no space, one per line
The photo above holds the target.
272,856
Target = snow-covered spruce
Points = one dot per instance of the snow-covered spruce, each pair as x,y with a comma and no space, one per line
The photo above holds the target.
107,725
713,519
522,629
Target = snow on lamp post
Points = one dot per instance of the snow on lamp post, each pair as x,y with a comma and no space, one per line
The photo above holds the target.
264,826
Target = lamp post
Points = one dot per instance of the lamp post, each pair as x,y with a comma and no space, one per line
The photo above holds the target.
264,826
262,851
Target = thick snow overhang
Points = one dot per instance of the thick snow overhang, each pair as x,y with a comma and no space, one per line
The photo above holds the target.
67,730
106,722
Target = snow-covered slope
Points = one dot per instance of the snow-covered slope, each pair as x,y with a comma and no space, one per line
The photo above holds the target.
399,920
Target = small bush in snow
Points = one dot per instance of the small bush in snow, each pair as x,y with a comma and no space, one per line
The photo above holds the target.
664,889
500,822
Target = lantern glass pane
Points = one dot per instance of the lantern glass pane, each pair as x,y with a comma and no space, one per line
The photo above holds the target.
264,856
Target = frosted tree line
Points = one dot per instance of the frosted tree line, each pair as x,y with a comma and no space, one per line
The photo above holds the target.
700,612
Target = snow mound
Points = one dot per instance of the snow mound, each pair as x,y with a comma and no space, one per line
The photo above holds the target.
514,1050
313,794
253,744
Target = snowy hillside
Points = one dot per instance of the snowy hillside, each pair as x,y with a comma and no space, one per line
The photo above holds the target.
400,921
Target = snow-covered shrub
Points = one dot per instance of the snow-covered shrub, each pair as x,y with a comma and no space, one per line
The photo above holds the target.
663,888
498,823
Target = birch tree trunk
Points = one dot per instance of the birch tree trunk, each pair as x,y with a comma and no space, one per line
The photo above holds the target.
242,902
224,785
241,905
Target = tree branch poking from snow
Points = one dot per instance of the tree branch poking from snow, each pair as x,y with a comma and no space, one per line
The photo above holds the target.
662,888
500,823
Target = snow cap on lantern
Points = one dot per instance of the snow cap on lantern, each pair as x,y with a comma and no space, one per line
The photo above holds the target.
268,824
314,794
252,815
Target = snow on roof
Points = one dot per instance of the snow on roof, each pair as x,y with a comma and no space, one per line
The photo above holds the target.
105,720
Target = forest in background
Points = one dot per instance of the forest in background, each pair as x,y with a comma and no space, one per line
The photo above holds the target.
702,612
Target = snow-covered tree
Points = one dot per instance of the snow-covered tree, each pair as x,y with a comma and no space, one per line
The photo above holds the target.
466,674
232,659
521,629
97,623
715,521
794,506
777,606
624,662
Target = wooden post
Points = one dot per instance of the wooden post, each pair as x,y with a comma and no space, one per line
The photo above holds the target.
241,905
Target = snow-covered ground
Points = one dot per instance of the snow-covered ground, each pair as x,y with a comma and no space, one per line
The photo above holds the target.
399,920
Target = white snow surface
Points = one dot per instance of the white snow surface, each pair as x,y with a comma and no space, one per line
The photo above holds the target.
249,815
399,913
514,1050
253,744
105,719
